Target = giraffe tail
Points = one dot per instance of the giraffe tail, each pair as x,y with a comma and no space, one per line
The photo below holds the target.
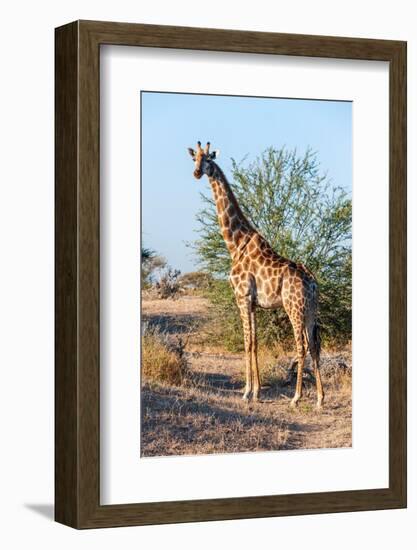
313,340
317,339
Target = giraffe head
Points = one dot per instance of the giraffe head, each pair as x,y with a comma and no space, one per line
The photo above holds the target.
203,160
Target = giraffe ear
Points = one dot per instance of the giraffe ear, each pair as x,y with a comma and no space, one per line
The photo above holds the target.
215,154
191,151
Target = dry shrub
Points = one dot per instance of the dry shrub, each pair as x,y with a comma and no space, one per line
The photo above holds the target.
194,283
278,368
272,366
162,361
336,369
168,285
340,380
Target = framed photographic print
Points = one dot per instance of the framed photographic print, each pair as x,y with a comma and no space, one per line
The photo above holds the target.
230,274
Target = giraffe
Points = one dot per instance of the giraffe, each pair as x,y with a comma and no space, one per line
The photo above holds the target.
261,278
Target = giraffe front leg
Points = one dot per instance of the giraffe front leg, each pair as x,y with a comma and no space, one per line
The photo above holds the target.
248,386
244,308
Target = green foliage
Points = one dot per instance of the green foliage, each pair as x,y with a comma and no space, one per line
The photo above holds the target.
304,218
225,326
147,254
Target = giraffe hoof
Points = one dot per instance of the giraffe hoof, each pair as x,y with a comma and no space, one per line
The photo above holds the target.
246,396
294,403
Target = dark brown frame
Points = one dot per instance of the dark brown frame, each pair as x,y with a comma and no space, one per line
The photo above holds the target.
77,274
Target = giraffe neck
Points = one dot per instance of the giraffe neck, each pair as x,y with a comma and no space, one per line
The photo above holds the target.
234,225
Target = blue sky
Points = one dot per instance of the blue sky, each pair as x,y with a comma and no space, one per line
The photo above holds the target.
238,126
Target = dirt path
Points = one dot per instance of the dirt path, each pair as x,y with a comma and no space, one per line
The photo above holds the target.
207,413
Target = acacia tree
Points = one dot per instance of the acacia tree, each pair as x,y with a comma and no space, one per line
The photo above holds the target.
305,218
151,264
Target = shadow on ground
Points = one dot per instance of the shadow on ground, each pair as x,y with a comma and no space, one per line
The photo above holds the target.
172,324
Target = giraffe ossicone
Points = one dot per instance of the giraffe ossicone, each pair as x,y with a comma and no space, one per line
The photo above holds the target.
262,278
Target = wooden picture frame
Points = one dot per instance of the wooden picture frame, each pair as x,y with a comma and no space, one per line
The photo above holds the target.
77,373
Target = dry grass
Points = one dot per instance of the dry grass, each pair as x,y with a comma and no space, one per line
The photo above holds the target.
272,366
205,413
161,361
197,421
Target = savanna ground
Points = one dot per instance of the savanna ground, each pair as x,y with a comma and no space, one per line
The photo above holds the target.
200,410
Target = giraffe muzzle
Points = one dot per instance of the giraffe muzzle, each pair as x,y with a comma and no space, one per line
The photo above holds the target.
198,174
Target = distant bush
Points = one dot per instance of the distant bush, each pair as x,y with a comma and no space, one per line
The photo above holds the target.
195,281
168,285
157,276
162,361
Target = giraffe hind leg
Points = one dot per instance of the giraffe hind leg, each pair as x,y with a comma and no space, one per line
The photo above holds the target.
301,353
